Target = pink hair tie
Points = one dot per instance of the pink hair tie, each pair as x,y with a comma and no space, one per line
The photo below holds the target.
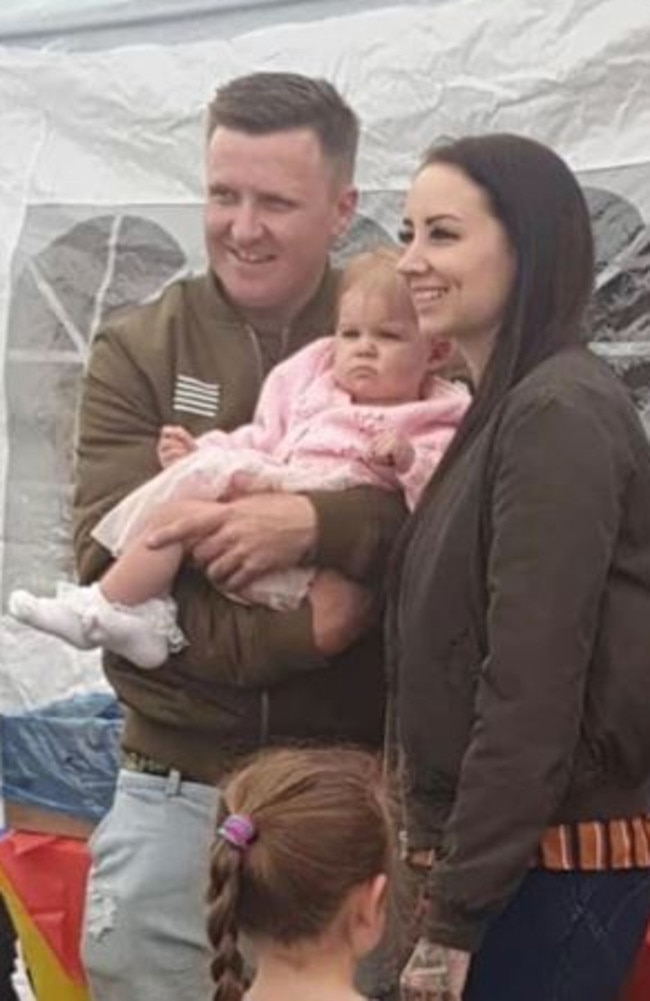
238,830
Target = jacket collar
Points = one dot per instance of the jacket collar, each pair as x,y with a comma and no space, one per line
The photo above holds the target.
315,319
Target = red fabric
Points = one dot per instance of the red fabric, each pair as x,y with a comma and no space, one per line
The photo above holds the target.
638,986
48,875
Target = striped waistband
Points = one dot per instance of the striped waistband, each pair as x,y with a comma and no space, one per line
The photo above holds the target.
585,846
596,845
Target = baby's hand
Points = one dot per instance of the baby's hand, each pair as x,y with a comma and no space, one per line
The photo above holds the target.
393,450
174,443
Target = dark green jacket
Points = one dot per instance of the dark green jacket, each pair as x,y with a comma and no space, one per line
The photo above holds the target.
249,675
522,638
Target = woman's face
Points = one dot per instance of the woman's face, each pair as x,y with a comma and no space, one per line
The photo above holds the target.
458,260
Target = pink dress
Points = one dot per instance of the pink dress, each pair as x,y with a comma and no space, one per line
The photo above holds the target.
306,434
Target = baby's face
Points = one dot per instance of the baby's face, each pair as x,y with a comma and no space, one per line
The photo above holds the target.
379,354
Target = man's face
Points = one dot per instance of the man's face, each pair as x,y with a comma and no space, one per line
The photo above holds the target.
274,208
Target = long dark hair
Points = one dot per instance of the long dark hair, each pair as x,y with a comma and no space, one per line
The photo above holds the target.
539,203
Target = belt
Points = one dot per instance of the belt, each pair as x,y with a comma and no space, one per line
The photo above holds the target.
596,845
133,761
582,846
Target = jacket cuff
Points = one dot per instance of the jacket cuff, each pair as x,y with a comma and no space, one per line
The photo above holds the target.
452,926
288,638
340,545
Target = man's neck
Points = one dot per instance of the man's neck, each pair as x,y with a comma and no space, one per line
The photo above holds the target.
269,322
276,319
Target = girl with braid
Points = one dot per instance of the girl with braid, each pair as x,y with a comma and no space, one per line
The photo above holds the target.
301,867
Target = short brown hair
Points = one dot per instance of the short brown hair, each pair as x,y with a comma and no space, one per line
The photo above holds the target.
322,826
263,103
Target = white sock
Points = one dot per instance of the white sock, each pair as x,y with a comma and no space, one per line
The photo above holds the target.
127,631
61,616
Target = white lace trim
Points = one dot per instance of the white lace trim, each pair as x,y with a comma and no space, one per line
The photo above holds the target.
160,613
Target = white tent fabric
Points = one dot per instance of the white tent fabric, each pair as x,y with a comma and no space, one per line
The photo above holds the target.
100,192
72,25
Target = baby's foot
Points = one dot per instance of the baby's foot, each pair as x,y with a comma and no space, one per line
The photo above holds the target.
61,616
127,632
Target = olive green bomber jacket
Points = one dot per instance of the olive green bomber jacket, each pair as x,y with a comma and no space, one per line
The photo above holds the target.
249,675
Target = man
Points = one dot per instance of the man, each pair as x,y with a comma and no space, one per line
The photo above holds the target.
279,165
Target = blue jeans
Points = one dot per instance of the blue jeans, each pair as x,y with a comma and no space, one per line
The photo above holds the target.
564,937
144,935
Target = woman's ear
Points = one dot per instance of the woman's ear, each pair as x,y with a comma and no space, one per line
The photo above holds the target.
445,358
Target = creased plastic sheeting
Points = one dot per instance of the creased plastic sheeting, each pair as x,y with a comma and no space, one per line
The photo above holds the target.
43,880
63,757
73,25
100,187
36,670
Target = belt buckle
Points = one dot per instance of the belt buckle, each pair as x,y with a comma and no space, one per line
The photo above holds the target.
133,761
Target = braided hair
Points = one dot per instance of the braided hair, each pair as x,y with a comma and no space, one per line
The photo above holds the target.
304,827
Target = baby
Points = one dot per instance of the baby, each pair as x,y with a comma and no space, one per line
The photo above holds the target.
366,406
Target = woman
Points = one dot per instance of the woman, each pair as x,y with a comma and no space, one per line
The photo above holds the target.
520,619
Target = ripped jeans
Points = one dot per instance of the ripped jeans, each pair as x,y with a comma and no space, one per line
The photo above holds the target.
144,927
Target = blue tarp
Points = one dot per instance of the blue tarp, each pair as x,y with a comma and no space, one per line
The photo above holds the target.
64,756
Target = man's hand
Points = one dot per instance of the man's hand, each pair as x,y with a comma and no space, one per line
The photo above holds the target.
238,541
174,442
341,611
458,964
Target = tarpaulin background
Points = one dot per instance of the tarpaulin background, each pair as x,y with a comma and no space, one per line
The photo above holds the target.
101,189
62,757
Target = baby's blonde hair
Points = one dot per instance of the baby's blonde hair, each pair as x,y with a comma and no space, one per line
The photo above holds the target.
375,270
